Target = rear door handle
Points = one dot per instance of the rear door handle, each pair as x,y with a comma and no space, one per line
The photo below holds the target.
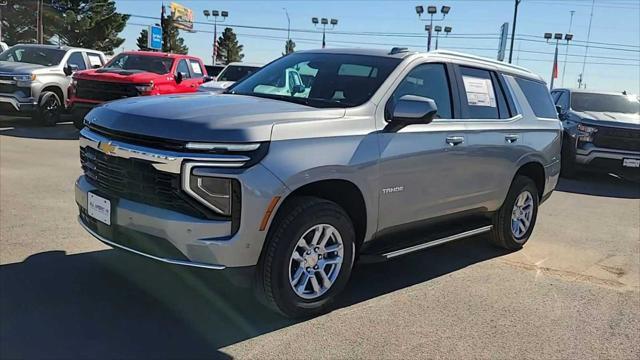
511,138
455,140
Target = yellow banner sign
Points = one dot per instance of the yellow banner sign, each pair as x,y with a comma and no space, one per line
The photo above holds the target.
182,16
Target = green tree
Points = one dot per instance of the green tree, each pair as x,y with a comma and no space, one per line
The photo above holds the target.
289,47
143,40
19,21
228,48
171,40
93,24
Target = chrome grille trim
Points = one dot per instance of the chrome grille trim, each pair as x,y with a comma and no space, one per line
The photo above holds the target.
163,160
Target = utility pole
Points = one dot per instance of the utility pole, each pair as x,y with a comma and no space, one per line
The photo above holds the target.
2,3
586,50
324,22
431,10
513,29
557,37
566,52
288,24
215,14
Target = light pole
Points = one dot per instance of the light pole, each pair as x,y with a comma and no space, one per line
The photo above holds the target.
288,24
438,29
324,22
566,51
431,10
215,14
513,29
557,37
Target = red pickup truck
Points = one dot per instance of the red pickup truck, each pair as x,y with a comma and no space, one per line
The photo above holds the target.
134,73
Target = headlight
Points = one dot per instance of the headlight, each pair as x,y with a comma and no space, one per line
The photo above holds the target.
587,129
24,80
145,88
215,193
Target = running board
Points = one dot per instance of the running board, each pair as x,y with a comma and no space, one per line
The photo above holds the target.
437,242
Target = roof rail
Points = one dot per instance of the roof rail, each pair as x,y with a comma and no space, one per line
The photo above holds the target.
397,50
480,58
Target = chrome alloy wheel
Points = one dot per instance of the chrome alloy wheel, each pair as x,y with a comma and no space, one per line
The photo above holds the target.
522,214
316,261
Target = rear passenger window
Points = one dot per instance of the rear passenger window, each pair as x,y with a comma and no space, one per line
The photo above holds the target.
196,69
431,81
538,97
482,95
95,60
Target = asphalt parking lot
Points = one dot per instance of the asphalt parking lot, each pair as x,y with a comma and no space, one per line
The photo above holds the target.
573,292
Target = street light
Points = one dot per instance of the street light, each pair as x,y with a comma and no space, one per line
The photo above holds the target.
324,22
215,14
557,37
431,10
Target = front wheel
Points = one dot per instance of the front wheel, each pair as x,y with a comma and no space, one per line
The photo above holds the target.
309,256
49,109
514,222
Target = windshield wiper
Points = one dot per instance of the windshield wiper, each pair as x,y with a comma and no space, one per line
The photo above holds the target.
314,102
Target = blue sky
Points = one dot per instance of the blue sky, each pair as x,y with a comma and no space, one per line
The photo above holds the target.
614,62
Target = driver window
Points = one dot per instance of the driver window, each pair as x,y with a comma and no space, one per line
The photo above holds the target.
430,81
78,60
184,69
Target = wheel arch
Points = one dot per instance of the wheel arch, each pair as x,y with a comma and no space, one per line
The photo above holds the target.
535,171
55,89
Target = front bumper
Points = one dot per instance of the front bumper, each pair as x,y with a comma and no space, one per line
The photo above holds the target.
11,104
608,159
191,241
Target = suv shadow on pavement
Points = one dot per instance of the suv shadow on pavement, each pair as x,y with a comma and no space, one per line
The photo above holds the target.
598,184
116,305
27,128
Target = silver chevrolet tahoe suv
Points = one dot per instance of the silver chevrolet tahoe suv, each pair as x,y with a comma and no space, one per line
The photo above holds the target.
377,154
34,79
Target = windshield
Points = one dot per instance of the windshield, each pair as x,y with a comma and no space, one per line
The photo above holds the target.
154,64
604,103
236,72
319,80
33,55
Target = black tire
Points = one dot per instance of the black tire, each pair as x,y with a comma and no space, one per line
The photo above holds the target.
298,216
501,234
49,109
78,118
568,168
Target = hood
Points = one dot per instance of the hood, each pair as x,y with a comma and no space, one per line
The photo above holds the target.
122,76
610,118
203,116
18,68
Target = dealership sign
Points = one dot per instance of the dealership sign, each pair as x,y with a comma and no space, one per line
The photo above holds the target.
182,17
155,38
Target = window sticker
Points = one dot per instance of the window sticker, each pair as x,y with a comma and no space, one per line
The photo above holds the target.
479,91
94,60
196,68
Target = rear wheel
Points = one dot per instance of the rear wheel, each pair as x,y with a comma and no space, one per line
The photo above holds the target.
49,109
308,258
514,222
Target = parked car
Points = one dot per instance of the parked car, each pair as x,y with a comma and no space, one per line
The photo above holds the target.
229,75
214,70
34,78
134,73
390,152
601,131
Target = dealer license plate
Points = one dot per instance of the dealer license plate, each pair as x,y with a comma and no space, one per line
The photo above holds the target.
633,163
99,208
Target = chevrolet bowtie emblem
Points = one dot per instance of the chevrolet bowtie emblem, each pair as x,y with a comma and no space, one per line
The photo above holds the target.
107,147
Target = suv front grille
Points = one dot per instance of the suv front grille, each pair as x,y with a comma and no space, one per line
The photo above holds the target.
619,139
138,181
103,90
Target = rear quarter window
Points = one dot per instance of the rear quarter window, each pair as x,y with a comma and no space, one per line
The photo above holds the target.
538,97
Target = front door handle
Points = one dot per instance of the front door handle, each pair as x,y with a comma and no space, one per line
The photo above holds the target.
455,140
511,138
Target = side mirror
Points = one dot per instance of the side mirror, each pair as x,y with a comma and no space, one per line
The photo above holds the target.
561,113
297,89
178,77
207,78
413,109
70,69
